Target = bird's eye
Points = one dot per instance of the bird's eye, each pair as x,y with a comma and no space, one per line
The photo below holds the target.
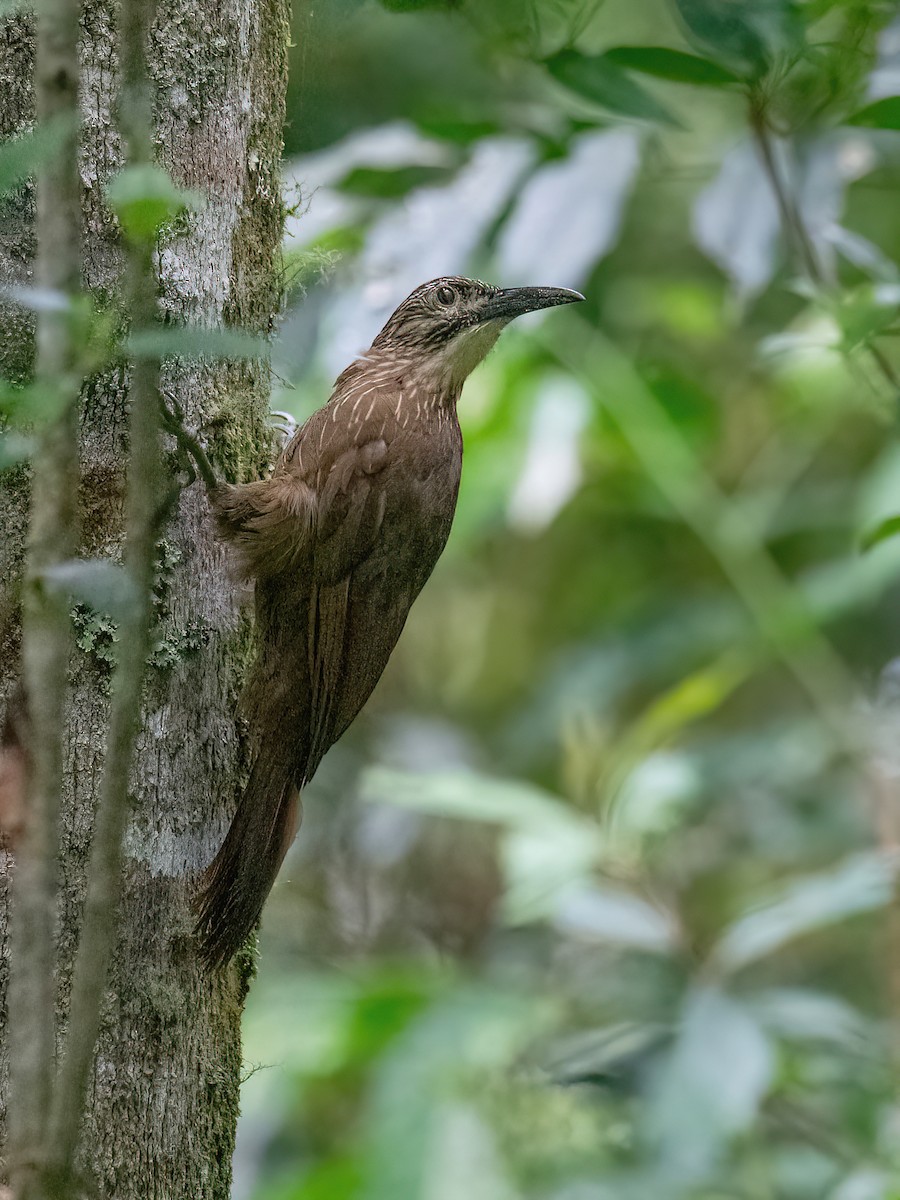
445,294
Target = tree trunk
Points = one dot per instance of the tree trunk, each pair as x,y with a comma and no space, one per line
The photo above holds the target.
163,1097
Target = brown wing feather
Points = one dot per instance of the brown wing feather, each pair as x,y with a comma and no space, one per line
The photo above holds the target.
269,523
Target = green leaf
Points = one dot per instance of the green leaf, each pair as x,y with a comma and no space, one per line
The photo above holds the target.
144,198
34,404
881,114
474,1031
727,28
416,5
711,1084
603,82
389,184
23,155
469,796
867,310
859,884
885,529
800,1014
614,916
195,342
451,126
546,848
671,64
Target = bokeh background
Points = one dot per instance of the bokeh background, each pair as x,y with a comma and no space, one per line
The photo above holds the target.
594,901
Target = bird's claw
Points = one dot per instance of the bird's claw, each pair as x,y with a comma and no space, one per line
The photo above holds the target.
286,425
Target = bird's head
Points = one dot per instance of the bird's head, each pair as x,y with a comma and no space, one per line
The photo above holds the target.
446,326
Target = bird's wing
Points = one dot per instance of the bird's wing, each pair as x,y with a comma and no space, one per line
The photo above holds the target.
349,446
269,523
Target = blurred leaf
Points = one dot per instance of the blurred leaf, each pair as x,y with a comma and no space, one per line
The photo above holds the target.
471,797
318,1045
472,1033
735,220
731,27
690,700
612,915
865,311
418,5
615,1056
384,1008
671,64
711,1084
195,342
887,528
455,126
14,449
801,1014
33,404
547,847
35,298
334,1177
591,185
465,1159
389,184
859,884
338,241
866,1183
603,82
882,114
144,198
862,253
97,582
22,156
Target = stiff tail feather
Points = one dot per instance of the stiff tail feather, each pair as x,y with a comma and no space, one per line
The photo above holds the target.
240,877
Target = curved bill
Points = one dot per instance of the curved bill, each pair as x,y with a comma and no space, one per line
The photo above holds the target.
513,302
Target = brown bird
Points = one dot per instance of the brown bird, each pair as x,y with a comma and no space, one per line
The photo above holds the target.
340,540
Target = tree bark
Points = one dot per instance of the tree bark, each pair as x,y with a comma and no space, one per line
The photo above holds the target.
163,1096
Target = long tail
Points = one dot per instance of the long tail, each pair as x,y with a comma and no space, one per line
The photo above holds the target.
240,877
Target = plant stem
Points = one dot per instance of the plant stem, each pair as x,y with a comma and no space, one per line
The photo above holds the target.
795,228
143,516
45,619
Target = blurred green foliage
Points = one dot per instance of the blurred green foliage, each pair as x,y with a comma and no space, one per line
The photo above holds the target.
596,898
596,901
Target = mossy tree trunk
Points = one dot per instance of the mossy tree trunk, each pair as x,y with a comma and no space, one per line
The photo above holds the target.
163,1095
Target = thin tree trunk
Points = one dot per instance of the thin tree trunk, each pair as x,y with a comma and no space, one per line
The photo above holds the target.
162,1103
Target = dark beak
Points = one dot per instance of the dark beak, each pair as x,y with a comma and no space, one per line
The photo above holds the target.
513,302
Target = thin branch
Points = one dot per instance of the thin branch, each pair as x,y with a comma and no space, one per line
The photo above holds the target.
173,422
791,217
143,514
45,619
795,227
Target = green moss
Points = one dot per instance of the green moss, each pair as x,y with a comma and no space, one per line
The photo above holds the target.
241,439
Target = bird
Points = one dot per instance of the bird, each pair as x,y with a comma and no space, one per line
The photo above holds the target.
338,542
